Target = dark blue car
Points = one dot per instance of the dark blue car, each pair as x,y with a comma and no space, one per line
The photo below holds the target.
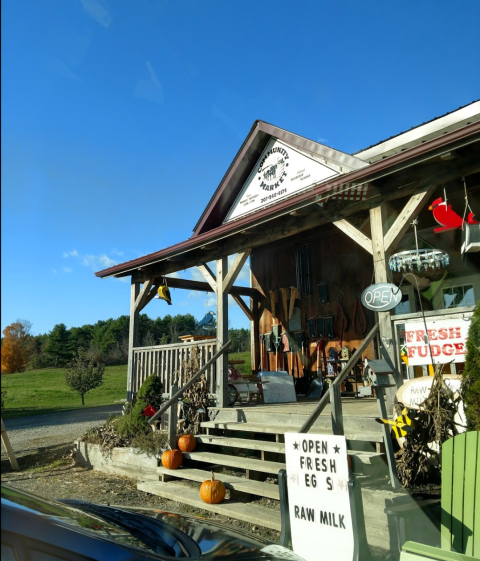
36,529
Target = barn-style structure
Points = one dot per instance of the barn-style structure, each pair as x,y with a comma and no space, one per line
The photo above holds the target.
319,226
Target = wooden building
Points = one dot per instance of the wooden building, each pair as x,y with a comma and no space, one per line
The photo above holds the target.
319,226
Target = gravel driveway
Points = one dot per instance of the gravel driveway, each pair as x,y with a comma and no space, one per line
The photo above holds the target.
29,433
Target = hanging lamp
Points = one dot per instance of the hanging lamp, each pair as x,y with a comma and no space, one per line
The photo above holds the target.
419,260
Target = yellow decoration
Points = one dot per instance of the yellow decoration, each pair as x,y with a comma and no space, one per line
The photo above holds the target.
164,294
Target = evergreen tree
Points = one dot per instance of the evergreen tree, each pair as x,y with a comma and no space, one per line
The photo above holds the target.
471,374
59,349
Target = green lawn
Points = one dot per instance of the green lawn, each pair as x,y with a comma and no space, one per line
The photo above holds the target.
44,390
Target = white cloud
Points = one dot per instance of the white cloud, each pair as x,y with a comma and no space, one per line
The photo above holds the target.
175,275
151,88
54,271
73,253
97,9
97,262
67,269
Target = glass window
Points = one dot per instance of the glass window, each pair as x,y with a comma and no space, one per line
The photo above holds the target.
458,296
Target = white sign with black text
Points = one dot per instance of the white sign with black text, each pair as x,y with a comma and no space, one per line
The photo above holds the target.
318,496
281,171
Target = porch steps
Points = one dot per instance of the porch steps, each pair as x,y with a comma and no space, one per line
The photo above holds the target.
254,514
232,482
248,445
357,434
358,457
237,462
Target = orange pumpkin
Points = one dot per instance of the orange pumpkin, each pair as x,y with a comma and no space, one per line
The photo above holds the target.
187,443
172,459
212,491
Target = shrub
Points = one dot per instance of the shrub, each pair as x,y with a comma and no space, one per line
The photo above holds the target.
133,422
471,374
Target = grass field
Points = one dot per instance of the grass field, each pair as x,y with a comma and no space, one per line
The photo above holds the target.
44,391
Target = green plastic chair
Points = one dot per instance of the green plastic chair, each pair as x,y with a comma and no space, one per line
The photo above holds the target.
460,504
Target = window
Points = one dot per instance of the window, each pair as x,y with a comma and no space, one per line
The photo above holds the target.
458,296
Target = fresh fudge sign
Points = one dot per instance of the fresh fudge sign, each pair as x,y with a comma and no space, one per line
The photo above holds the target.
318,496
447,340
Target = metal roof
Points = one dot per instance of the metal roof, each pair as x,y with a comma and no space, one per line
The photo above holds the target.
374,171
453,120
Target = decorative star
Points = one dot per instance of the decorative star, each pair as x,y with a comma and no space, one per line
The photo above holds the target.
295,445
341,484
337,449
293,477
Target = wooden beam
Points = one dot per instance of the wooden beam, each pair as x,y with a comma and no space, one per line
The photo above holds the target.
352,232
246,310
235,268
140,302
132,336
208,275
222,332
409,212
205,287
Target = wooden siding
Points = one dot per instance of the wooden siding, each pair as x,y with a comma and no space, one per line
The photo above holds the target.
334,258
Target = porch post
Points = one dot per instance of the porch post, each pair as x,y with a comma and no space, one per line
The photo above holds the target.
222,331
132,335
377,220
255,336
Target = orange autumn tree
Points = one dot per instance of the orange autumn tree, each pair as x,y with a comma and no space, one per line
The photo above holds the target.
17,347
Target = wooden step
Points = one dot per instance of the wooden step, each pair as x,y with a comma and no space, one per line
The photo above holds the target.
235,461
276,447
248,512
262,445
269,490
282,429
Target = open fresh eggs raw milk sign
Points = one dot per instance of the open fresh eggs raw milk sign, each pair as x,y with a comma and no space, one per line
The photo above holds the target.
318,496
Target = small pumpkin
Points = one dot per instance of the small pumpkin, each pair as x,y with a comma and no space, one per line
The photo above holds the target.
172,459
187,443
212,491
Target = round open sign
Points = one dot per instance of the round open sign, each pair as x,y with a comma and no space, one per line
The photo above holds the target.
381,297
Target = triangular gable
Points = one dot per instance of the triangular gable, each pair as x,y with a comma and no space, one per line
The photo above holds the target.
258,178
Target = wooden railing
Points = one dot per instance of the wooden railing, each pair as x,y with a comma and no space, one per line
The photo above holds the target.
167,362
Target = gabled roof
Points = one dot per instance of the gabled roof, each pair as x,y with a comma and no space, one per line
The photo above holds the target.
247,157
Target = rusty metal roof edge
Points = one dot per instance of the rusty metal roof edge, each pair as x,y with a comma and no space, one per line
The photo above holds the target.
231,228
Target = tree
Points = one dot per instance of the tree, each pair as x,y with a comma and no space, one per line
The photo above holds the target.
59,349
471,374
83,374
18,347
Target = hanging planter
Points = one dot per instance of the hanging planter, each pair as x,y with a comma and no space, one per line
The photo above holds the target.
419,260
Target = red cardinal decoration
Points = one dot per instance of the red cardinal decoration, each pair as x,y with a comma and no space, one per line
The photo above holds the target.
149,411
448,218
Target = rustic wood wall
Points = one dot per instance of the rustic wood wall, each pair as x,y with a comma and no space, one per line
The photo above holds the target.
334,258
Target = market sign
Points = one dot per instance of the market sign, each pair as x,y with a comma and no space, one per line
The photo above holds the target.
280,172
414,392
318,496
447,338
278,387
381,297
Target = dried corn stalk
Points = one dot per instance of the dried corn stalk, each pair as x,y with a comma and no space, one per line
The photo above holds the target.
195,399
434,424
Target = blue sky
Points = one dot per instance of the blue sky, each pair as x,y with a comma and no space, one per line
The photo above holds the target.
120,118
